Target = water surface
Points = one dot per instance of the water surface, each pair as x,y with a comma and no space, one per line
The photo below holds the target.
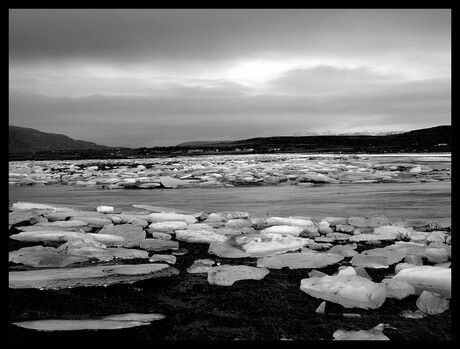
395,200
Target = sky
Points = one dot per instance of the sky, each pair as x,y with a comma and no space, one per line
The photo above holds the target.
160,77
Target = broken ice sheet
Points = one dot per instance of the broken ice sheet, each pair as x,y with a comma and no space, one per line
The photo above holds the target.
101,275
349,291
375,333
110,322
227,275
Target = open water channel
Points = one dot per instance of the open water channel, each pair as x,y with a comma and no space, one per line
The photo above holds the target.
393,200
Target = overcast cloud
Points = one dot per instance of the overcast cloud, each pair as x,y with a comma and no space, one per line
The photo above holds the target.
161,77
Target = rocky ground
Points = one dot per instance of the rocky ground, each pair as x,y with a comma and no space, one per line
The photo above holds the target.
155,274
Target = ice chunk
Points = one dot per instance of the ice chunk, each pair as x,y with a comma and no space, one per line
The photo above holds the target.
227,275
393,254
39,256
201,266
321,308
370,261
398,289
316,274
62,236
427,278
103,323
20,205
171,182
379,257
132,234
432,303
283,229
105,209
371,237
436,255
171,216
200,236
349,291
392,230
375,333
260,245
344,250
167,258
158,245
224,249
167,226
413,259
299,260
88,276
301,222
346,271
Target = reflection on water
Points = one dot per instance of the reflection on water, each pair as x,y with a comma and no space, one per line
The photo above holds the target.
394,200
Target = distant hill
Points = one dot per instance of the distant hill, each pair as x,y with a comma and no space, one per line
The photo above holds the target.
203,143
437,138
30,144
330,133
26,140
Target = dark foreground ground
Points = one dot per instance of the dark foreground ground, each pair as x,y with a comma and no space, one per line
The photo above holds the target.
270,309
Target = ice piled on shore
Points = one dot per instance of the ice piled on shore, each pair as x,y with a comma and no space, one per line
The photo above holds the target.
350,291
208,171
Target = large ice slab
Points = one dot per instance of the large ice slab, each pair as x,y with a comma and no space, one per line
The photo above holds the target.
168,227
392,230
88,276
299,260
261,245
292,221
374,334
283,229
39,256
22,205
226,250
398,289
158,244
200,236
63,236
171,216
349,291
379,257
22,216
110,322
427,278
227,275
432,303
132,234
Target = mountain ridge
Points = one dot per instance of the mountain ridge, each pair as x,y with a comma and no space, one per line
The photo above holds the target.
26,140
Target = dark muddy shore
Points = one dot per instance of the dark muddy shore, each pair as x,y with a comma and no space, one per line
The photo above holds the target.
270,309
